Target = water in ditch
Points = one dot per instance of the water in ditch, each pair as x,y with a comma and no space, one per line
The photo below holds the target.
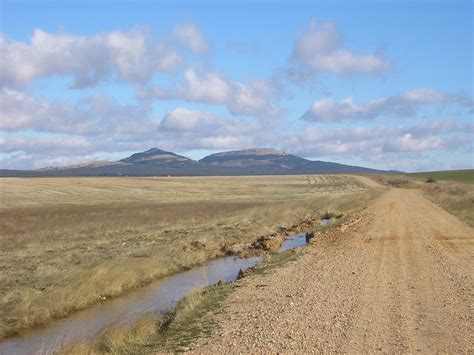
155,298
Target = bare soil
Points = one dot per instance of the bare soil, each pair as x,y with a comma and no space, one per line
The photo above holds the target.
398,280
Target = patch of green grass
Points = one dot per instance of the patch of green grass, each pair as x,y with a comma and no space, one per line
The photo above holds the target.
275,260
189,320
451,175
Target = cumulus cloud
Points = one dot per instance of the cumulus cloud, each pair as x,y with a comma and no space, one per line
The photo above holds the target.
133,56
213,88
90,115
99,115
378,141
321,48
409,143
202,123
191,36
181,119
402,105
46,144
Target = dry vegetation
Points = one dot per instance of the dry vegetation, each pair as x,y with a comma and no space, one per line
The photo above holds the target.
455,196
70,242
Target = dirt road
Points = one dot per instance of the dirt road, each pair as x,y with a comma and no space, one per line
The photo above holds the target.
401,282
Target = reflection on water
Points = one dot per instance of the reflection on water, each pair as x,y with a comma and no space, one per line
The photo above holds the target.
292,242
155,298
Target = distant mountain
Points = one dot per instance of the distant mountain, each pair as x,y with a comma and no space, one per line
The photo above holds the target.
271,161
257,160
156,156
157,162
152,162
91,164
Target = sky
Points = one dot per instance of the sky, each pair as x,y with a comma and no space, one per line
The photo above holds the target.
382,84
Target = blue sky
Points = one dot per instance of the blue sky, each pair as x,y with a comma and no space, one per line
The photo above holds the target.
384,84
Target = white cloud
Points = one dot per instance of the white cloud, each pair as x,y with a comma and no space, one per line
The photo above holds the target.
208,87
408,143
91,115
132,55
181,119
226,142
201,124
321,48
213,88
379,141
191,36
423,95
402,105
47,143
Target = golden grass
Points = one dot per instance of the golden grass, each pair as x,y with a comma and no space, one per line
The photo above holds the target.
455,197
120,339
22,192
70,242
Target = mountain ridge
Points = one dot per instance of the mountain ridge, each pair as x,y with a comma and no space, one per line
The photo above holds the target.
157,162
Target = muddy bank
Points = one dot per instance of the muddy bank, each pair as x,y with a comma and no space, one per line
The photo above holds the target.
273,242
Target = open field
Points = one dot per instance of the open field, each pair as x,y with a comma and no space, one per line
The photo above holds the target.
451,175
70,242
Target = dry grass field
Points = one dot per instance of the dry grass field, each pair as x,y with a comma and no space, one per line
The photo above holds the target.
70,242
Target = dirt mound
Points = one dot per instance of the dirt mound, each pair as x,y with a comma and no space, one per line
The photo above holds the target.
268,242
